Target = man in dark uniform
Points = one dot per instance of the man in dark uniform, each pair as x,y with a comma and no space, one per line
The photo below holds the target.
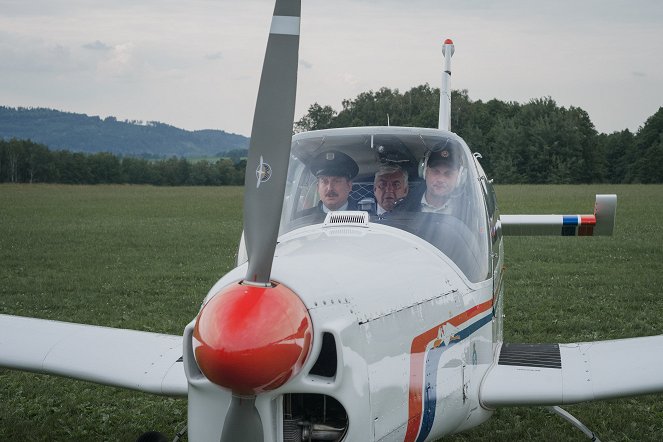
334,171
442,169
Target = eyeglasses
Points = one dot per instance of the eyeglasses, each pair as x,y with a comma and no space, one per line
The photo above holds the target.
396,185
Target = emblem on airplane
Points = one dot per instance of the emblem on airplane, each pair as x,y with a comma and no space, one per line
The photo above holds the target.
263,172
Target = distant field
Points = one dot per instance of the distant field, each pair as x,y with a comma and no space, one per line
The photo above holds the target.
143,257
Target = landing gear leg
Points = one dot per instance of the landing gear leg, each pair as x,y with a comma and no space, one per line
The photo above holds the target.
575,422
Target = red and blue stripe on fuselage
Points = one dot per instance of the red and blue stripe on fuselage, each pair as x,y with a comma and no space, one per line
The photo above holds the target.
425,354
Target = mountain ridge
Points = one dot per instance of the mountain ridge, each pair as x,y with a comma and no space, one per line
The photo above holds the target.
61,130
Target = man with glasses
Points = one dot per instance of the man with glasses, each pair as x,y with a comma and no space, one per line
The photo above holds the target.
390,186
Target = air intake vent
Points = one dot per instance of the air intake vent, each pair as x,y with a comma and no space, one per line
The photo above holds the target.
346,218
531,355
327,360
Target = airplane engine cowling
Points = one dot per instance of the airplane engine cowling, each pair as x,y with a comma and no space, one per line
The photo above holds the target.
252,339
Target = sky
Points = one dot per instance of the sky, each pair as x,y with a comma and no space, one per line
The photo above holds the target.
196,64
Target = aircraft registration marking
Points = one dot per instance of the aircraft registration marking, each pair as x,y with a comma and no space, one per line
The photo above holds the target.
421,407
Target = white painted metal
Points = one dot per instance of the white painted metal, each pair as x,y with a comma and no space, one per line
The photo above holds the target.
605,209
384,287
532,225
121,358
444,117
590,371
285,25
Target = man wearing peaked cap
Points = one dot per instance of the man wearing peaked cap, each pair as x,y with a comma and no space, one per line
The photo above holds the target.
334,163
334,171
441,171
445,156
441,175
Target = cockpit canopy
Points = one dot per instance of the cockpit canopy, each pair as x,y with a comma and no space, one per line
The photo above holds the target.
459,229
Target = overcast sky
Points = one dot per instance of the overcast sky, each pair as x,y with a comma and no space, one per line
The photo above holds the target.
196,64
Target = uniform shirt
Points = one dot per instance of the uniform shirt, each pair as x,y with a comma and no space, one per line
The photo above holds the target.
445,209
327,210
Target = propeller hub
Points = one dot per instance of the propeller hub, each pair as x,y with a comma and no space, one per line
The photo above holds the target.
252,339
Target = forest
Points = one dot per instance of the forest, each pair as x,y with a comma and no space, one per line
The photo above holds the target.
537,142
24,161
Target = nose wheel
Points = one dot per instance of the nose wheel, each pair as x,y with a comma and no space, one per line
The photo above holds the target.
152,436
155,436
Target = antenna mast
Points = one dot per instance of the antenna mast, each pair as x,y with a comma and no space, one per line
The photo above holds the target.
444,121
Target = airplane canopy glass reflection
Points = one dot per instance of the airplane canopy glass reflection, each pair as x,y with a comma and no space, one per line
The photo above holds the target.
459,229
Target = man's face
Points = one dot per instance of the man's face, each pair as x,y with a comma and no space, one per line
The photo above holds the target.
389,188
334,191
440,181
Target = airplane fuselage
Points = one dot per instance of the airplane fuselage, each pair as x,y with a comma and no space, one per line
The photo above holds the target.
401,337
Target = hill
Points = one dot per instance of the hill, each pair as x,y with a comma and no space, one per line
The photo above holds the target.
82,133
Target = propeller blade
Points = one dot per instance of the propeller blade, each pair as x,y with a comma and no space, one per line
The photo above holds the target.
271,136
242,421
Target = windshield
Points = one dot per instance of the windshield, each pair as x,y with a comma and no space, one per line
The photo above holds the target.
423,181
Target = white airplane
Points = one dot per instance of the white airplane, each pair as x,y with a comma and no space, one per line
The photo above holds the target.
351,325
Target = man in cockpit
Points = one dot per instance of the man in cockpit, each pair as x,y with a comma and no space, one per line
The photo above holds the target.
390,186
335,171
442,170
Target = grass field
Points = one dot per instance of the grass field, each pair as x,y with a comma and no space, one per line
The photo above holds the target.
143,257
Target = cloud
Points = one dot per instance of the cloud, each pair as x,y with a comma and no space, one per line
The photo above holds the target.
130,54
97,46
215,56
350,79
119,63
33,55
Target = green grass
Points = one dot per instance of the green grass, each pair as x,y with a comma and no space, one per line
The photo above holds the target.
135,257
143,257
583,289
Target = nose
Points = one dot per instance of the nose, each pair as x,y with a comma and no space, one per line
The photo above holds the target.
252,339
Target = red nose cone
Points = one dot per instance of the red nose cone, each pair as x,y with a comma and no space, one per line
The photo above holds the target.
252,339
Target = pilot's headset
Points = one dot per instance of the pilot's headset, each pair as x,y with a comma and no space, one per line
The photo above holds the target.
455,150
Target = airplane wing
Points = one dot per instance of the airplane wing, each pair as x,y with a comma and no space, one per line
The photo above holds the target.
602,222
137,360
558,374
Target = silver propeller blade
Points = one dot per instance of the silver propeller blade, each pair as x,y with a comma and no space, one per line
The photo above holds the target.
242,421
271,135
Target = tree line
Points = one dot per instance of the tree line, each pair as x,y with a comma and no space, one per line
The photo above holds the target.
24,161
537,142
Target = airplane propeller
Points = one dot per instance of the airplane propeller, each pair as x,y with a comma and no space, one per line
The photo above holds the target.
250,340
271,136
242,421
256,335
